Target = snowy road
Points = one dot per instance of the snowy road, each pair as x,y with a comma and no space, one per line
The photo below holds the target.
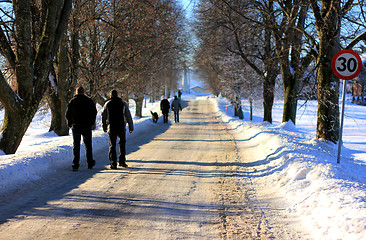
182,183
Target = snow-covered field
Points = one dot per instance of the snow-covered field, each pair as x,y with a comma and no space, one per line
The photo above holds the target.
329,197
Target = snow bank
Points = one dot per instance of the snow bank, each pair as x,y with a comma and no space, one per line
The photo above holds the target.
330,197
42,152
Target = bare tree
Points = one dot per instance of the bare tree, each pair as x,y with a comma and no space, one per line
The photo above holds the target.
152,30
247,35
64,72
328,17
96,46
29,39
282,23
287,22
60,90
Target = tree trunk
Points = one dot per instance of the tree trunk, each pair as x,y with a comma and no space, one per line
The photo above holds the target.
268,97
99,99
58,105
168,91
328,101
237,108
139,102
328,27
290,100
251,109
15,125
152,97
58,92
270,64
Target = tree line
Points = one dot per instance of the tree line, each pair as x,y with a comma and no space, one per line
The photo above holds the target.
49,48
245,45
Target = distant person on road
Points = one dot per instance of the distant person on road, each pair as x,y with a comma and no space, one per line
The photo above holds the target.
164,107
115,116
180,94
176,107
80,116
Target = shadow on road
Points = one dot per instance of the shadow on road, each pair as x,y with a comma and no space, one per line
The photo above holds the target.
34,195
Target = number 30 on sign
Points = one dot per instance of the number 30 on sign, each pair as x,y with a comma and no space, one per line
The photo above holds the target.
346,64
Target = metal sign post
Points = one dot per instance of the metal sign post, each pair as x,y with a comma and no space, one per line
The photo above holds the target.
346,65
341,125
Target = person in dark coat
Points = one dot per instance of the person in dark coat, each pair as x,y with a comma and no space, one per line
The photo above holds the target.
164,107
115,115
80,116
176,107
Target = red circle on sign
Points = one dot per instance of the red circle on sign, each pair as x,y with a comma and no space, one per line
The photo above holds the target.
341,63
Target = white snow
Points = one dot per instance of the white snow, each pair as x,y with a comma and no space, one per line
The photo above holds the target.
329,197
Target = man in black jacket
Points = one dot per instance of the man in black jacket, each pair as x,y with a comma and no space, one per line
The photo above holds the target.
164,107
115,115
80,115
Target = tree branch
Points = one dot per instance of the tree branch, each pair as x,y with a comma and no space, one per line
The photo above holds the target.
6,50
359,38
316,11
62,25
348,6
7,96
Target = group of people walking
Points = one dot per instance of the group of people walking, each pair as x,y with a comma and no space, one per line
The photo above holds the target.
175,106
81,115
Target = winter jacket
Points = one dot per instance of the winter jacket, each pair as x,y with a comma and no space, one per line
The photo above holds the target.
176,105
116,115
81,112
164,106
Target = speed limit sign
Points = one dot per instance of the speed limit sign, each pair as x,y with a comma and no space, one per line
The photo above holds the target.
346,64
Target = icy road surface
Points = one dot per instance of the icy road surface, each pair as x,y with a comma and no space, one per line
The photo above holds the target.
182,183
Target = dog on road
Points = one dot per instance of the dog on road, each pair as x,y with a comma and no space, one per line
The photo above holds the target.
154,116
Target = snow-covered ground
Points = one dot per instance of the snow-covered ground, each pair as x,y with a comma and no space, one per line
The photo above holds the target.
329,197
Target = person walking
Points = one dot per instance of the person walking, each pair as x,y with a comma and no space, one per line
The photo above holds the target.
176,107
115,116
80,116
164,107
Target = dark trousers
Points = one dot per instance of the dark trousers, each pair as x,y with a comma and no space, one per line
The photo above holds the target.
176,116
165,117
87,138
121,134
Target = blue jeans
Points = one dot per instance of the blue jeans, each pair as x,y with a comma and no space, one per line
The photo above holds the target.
176,116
